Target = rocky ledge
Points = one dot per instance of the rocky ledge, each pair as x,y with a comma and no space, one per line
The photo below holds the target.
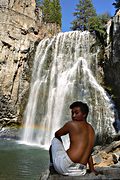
106,160
108,173
11,133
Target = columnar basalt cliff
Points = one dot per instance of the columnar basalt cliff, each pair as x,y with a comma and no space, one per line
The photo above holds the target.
112,61
20,31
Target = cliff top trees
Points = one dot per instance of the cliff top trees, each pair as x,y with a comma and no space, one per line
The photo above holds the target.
84,11
86,18
98,23
51,10
117,5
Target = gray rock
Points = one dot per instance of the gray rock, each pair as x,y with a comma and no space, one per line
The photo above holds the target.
116,157
104,173
11,133
98,159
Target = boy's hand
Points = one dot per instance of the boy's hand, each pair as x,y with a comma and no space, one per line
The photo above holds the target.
59,138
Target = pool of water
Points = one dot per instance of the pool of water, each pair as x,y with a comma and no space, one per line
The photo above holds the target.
21,162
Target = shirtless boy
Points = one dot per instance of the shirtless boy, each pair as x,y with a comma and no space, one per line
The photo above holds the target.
82,137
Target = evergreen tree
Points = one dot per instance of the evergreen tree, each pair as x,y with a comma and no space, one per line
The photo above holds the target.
117,5
52,11
55,12
104,18
84,11
95,25
46,10
99,22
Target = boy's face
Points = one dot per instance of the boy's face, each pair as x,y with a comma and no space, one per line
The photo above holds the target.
77,114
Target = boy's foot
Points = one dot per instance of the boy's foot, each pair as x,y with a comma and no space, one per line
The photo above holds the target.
52,169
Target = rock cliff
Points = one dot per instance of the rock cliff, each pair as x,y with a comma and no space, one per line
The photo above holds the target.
20,31
111,65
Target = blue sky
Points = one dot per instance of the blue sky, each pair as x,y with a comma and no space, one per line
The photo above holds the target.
68,7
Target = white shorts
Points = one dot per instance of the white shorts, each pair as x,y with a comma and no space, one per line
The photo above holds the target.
62,163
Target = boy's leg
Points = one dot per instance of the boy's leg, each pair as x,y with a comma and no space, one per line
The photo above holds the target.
50,154
51,166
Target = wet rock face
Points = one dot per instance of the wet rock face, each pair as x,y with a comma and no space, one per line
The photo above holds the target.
20,32
112,62
25,7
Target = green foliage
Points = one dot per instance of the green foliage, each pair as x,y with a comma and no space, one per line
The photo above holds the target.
98,23
51,10
87,19
95,24
46,10
116,4
55,12
83,12
104,18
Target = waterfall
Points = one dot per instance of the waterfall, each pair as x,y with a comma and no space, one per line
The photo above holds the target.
109,25
62,73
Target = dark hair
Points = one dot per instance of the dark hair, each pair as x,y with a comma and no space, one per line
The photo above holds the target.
83,106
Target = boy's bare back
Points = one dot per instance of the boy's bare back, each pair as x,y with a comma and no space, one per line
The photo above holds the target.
82,138
81,135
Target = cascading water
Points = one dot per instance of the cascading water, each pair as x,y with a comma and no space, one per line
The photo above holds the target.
62,74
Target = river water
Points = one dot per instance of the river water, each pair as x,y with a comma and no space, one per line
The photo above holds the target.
21,162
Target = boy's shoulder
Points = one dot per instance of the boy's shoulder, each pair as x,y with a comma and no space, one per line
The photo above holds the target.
70,123
73,124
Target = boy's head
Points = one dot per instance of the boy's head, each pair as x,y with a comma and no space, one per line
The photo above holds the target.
83,107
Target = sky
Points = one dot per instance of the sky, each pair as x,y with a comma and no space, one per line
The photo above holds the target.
68,7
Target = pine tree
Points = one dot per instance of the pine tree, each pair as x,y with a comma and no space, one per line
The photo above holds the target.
117,5
105,17
84,11
46,10
55,12
51,11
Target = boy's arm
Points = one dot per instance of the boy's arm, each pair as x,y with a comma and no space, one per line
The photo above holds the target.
91,166
62,131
